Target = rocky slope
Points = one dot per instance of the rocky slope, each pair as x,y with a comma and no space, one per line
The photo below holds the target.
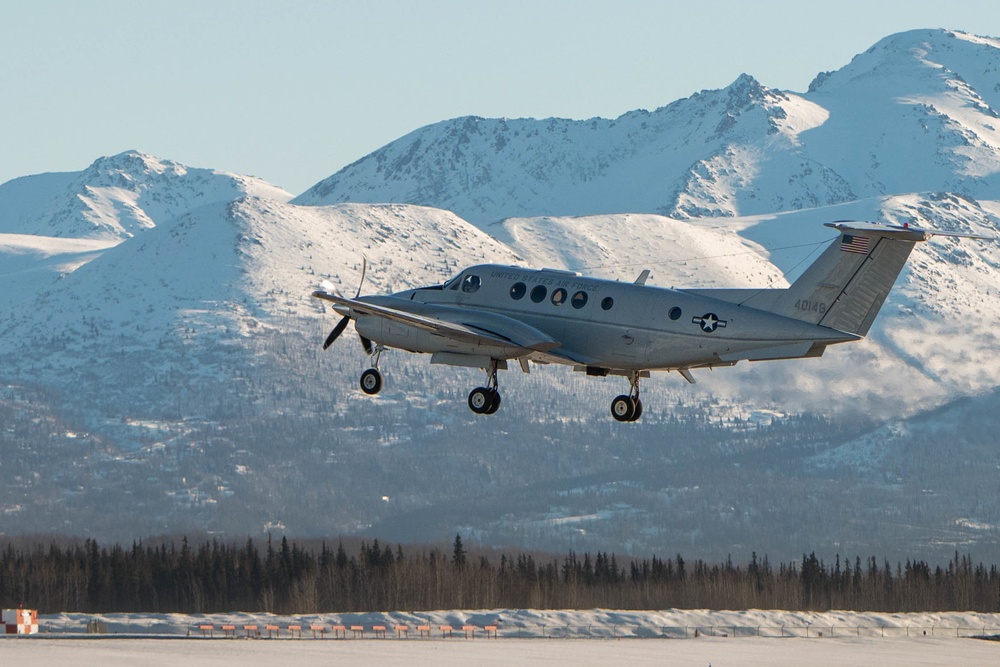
916,112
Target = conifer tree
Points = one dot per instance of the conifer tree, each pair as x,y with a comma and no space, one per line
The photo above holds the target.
458,552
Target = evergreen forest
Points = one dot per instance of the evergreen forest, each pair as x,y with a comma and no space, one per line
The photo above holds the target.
284,577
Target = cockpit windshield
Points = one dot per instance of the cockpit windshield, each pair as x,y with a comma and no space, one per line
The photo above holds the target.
451,283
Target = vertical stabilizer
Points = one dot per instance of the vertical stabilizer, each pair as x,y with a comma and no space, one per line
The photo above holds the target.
862,297
845,288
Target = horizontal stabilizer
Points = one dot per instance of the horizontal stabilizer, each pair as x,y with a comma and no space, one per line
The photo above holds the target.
787,351
904,232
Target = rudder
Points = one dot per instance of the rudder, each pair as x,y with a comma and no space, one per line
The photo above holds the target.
855,308
845,288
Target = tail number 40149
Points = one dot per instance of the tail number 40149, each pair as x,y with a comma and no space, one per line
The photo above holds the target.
807,306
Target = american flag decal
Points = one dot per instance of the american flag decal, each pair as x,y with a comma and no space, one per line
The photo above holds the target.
858,244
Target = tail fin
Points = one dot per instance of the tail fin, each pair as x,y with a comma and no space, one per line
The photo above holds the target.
845,288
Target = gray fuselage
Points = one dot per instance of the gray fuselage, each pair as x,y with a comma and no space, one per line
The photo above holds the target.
599,323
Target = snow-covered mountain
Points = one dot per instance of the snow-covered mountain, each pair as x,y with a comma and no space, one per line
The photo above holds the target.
181,368
158,340
917,112
117,197
51,224
223,273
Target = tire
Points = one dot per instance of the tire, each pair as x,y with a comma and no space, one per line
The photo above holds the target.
495,405
480,400
638,411
623,408
371,381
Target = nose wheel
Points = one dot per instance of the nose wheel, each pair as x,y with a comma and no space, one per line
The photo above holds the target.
628,407
486,400
372,380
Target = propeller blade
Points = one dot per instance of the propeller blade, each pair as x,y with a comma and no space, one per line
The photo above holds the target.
367,344
337,330
364,268
330,288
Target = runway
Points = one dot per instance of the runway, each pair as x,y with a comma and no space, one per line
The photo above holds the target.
714,651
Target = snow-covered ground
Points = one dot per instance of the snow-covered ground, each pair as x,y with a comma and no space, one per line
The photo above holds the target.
595,623
722,638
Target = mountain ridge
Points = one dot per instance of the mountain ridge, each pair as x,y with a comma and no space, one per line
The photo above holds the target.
159,344
742,150
117,196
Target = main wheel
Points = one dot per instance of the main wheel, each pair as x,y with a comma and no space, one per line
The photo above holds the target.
623,408
638,411
481,400
495,405
371,381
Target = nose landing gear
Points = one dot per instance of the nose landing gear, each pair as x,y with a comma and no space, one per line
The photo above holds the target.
371,379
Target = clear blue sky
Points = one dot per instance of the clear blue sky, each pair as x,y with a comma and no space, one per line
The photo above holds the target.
292,91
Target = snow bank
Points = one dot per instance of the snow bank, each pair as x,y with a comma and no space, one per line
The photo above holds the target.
596,623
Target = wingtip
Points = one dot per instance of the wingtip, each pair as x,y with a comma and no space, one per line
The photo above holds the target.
326,296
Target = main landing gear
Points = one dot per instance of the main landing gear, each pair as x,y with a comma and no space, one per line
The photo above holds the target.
628,408
486,400
371,379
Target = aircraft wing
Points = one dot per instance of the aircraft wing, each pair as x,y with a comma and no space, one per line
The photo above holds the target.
461,324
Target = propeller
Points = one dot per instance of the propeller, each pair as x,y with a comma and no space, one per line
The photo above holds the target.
337,330
342,324
364,268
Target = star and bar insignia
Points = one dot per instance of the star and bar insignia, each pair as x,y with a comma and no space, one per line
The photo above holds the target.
709,322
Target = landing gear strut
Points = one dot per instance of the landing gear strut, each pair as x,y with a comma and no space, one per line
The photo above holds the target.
486,400
628,408
371,379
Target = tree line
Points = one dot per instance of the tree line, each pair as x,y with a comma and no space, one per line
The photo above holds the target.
286,578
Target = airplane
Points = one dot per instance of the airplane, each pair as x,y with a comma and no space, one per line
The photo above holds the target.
489,314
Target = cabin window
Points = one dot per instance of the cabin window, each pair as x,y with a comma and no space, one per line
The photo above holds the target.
607,303
538,294
579,300
518,290
675,313
559,297
471,284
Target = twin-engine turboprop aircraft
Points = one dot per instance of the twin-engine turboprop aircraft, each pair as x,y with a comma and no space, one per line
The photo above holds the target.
490,314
